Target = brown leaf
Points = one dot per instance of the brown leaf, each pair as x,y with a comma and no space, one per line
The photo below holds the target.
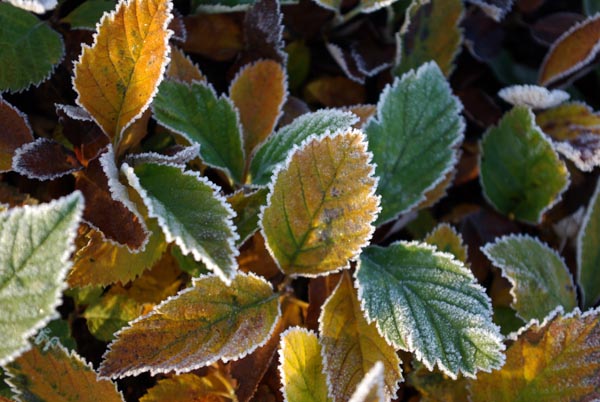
45,159
548,29
216,36
335,92
15,132
182,68
263,33
83,133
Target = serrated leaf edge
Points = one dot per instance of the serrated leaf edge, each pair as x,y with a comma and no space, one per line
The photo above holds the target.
409,341
513,281
455,232
72,112
23,150
180,158
284,165
496,13
375,376
581,234
162,370
170,237
65,260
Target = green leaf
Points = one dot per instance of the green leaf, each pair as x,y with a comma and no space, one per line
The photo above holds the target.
29,49
35,246
320,210
414,138
195,112
277,146
521,174
588,252
301,367
540,278
430,32
198,326
591,7
428,303
190,212
247,207
110,314
87,15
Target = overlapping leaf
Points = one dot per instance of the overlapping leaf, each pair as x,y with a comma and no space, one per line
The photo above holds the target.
29,49
36,243
372,387
259,92
557,360
321,205
111,314
247,208
213,387
540,278
15,132
533,96
414,138
352,346
521,174
276,148
430,32
572,52
496,9
428,303
446,239
48,372
195,217
87,15
44,159
588,252
301,367
216,36
117,77
263,32
182,68
195,112
204,323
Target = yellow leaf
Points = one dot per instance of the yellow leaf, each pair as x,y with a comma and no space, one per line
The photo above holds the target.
259,92
301,367
322,204
182,68
352,346
214,387
117,77
371,387
446,239
48,372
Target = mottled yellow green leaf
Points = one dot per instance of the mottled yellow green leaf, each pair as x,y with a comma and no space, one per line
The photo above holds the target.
447,239
434,386
110,314
301,367
557,360
200,325
322,204
213,387
568,121
117,77
352,346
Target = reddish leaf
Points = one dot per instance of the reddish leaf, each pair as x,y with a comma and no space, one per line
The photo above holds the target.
335,92
182,68
15,132
79,128
44,159
263,33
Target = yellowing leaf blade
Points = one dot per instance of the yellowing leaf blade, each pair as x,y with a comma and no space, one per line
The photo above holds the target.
352,346
117,77
200,325
448,240
321,206
213,387
371,387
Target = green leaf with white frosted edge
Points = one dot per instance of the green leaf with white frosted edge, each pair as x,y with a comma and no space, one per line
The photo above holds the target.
29,49
539,276
521,173
429,303
190,212
35,245
195,112
277,146
588,252
414,138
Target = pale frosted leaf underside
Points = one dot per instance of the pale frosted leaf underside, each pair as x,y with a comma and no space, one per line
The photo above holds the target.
428,303
321,205
200,325
372,387
588,252
35,246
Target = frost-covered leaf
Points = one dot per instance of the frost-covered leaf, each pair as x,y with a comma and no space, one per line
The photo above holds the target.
247,207
428,303
258,92
263,32
15,132
301,367
87,15
322,204
29,49
276,148
539,276
44,159
176,156
557,360
521,174
182,68
35,245
37,6
195,217
117,77
448,240
195,112
214,387
352,346
110,314
372,387
215,36
414,138
495,9
588,252
430,32
434,386
200,325
533,96
572,52
48,372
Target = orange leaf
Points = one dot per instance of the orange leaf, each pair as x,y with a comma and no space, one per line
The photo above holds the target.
216,36
335,91
213,387
182,68
259,92
117,77
573,51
